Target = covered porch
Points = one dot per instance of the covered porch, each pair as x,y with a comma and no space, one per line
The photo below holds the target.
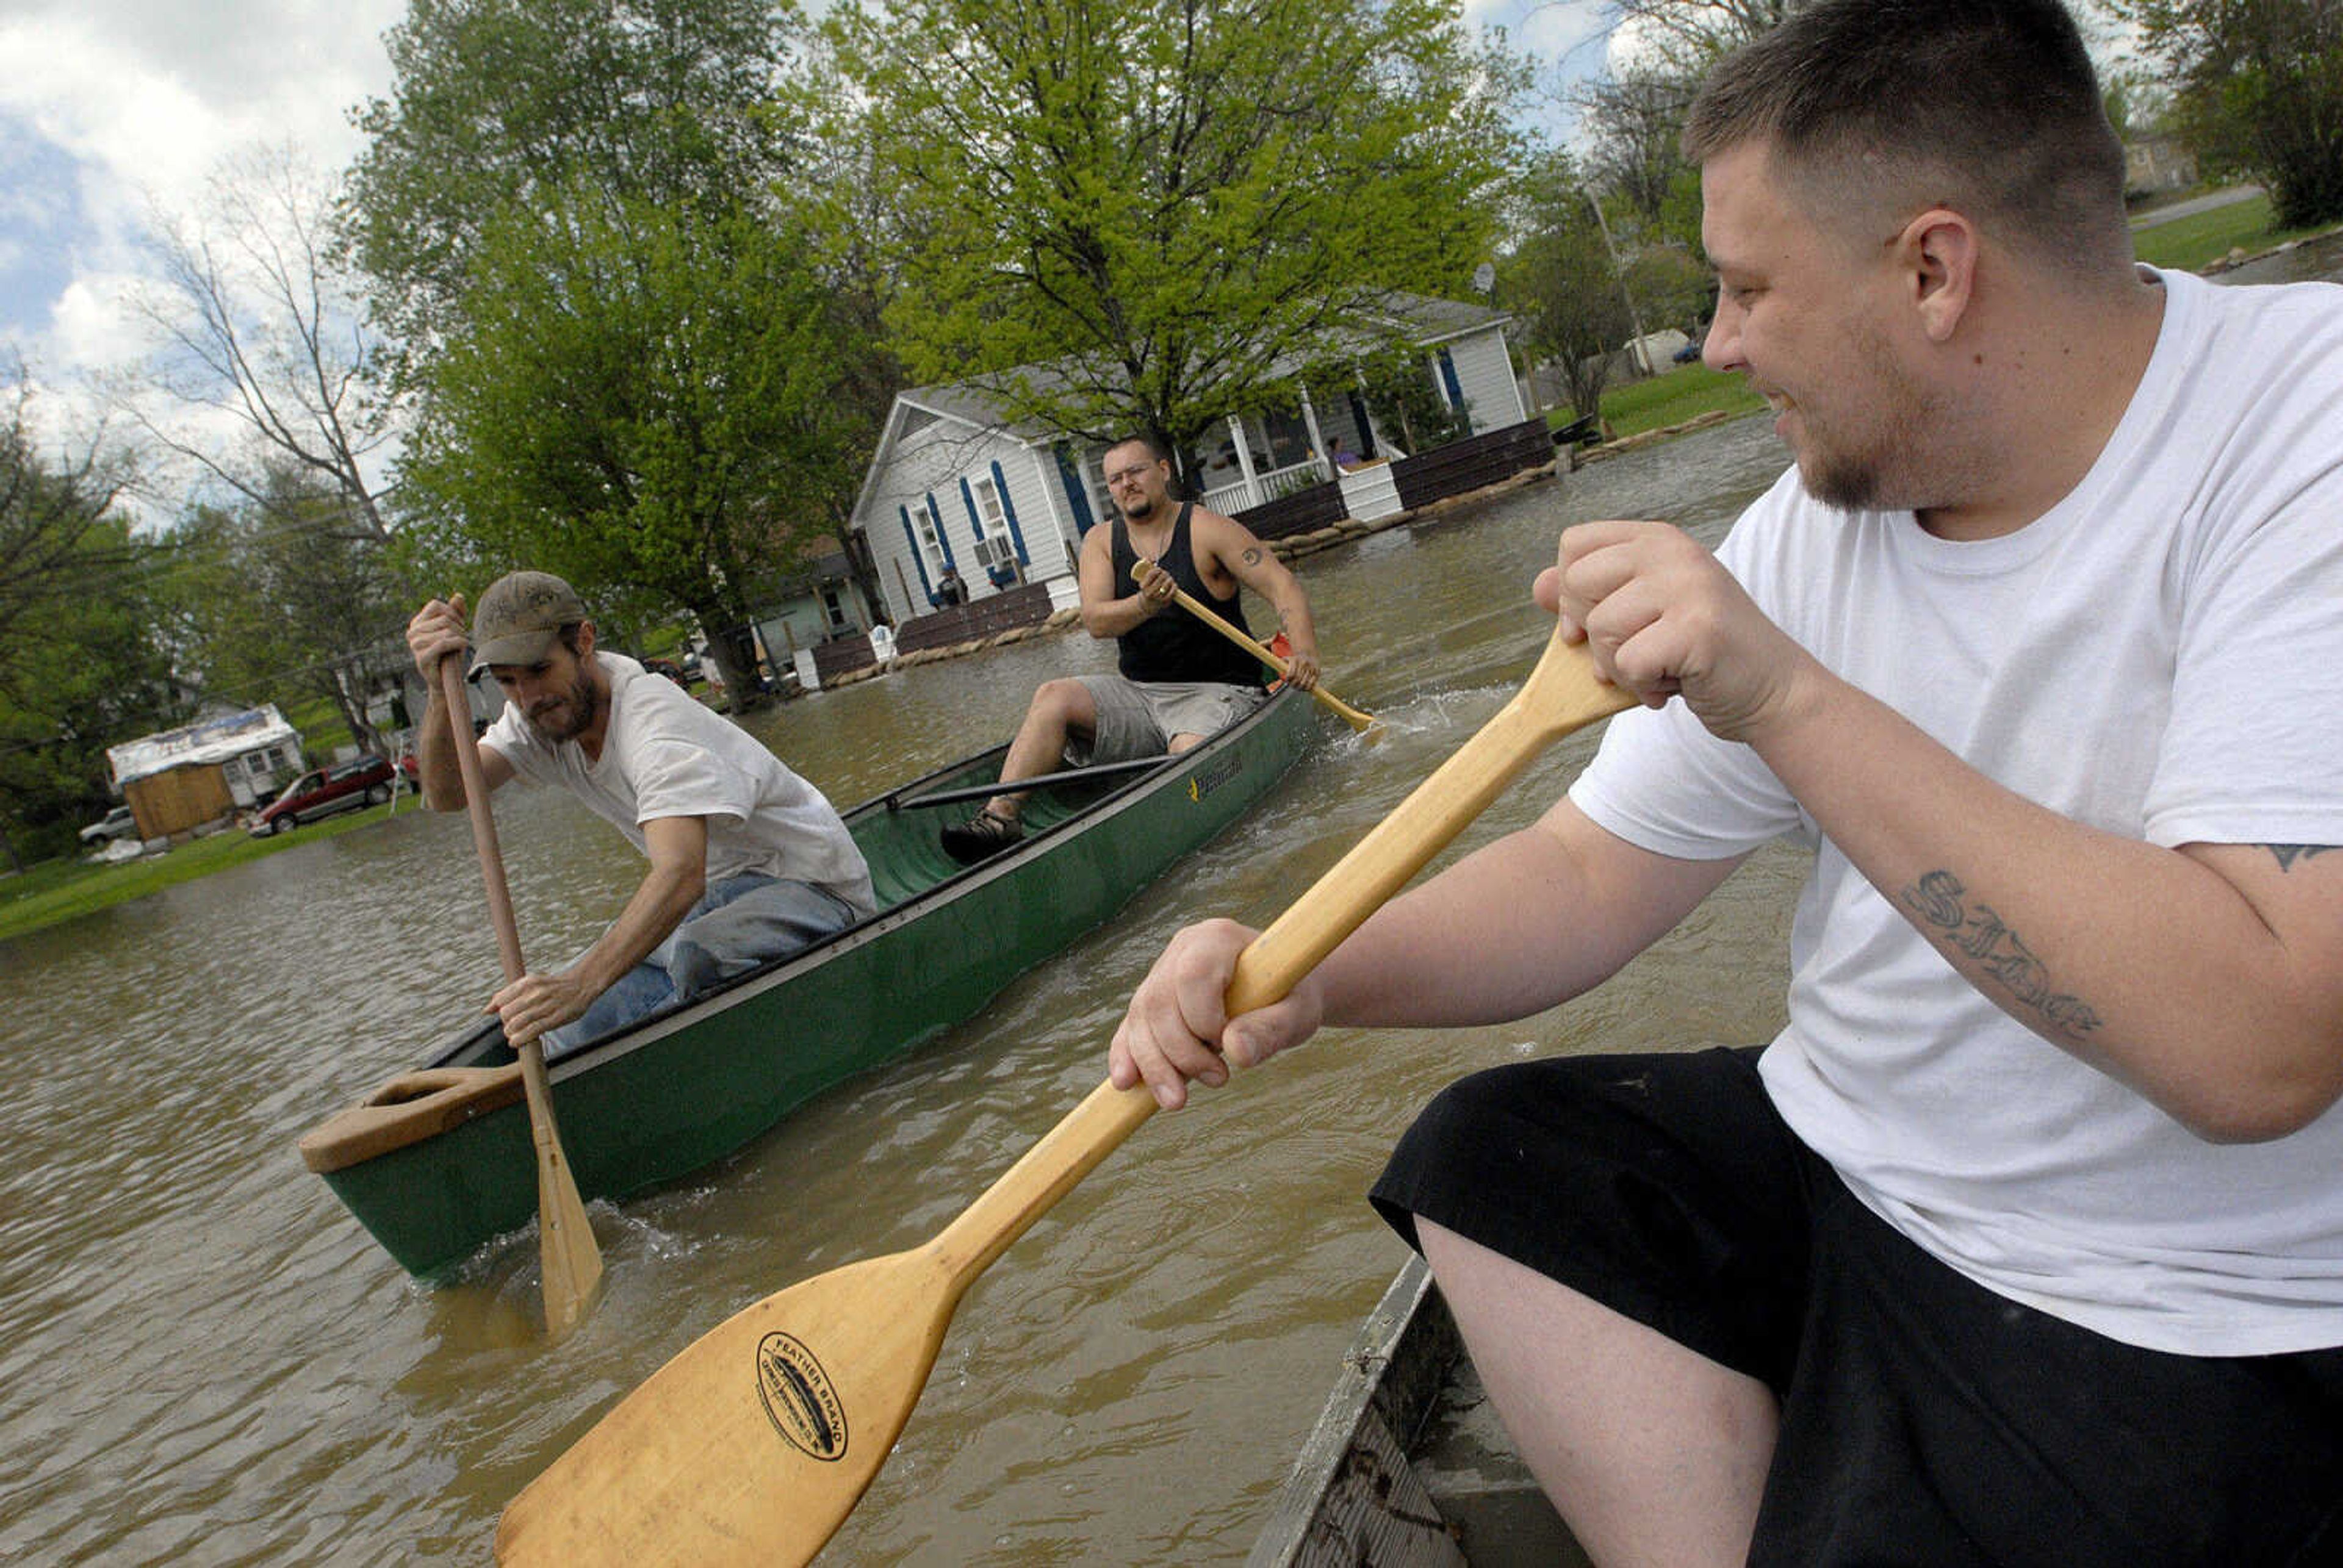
1265,457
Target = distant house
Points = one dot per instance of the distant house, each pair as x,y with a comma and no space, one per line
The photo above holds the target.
2154,166
183,779
957,486
825,598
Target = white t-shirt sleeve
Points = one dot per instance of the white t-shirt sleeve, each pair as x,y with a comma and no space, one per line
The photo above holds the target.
2254,751
674,777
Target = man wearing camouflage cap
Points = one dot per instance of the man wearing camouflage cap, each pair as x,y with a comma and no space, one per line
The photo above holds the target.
748,861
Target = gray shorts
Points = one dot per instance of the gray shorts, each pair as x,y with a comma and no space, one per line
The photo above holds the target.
1139,718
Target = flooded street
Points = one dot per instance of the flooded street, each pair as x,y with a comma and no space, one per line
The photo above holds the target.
204,1359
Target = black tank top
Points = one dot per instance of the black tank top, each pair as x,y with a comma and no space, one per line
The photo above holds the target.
1171,644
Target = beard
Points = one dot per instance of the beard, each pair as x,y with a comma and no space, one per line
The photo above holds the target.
570,715
1874,468
1141,509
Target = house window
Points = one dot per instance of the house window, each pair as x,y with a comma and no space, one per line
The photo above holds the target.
931,536
994,550
834,608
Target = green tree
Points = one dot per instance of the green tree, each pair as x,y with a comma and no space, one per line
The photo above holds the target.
1152,214
583,217
81,666
277,598
2258,91
1562,282
647,401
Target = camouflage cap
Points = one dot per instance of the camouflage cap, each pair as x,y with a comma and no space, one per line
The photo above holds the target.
520,615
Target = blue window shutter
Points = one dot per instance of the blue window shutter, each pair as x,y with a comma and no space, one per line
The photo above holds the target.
1008,510
919,556
1073,479
968,499
1448,378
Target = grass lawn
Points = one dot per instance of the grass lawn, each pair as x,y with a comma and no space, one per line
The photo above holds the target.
1682,393
2192,242
58,890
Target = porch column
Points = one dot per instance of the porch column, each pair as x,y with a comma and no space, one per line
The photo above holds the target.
1317,442
1244,463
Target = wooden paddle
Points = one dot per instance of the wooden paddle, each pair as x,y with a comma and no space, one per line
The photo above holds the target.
572,1263
1365,723
754,1443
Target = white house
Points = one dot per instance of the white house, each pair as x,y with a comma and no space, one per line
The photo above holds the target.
955,486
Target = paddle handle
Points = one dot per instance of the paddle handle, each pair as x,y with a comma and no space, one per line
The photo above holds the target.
1379,865
484,821
570,1260
1326,699
1563,695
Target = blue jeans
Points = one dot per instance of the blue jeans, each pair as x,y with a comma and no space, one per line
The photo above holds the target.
738,924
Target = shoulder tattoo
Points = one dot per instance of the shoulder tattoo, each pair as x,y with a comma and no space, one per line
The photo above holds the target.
1938,904
2287,854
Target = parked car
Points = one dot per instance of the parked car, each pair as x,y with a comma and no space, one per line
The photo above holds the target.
344,787
117,823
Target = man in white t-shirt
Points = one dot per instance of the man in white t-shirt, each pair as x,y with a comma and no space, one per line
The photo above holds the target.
2023,1243
749,862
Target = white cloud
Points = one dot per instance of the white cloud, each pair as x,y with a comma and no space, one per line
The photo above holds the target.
112,108
128,102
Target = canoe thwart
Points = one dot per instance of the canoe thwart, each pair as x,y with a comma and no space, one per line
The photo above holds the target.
408,1109
1041,781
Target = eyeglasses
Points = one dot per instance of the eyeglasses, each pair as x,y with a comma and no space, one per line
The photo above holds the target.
1126,475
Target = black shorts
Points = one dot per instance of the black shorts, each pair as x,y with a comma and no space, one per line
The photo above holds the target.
1925,1419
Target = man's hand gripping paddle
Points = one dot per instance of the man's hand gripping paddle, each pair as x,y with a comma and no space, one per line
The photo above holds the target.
753,1444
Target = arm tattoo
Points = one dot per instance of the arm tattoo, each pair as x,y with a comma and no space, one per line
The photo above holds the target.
1252,555
1935,901
2287,854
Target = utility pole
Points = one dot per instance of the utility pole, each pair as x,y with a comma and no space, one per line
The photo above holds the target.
1641,358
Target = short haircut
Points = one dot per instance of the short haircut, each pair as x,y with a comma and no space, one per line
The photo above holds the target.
1987,106
1155,448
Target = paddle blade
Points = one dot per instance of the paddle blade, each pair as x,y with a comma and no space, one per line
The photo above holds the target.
570,1260
754,1443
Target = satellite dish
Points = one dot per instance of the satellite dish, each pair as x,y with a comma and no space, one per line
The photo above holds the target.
1484,278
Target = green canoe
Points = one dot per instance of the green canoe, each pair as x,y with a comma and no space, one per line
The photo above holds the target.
438,1160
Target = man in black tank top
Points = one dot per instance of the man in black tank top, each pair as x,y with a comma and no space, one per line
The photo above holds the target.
1178,682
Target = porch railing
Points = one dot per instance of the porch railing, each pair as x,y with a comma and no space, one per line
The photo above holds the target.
1230,500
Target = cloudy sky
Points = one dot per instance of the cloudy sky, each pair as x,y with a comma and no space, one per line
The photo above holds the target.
111,107
107,107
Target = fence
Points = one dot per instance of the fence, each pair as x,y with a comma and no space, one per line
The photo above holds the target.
1462,466
1028,605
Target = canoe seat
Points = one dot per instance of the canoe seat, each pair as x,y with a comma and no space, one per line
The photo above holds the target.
408,1110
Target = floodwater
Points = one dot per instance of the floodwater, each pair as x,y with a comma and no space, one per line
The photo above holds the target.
204,1360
